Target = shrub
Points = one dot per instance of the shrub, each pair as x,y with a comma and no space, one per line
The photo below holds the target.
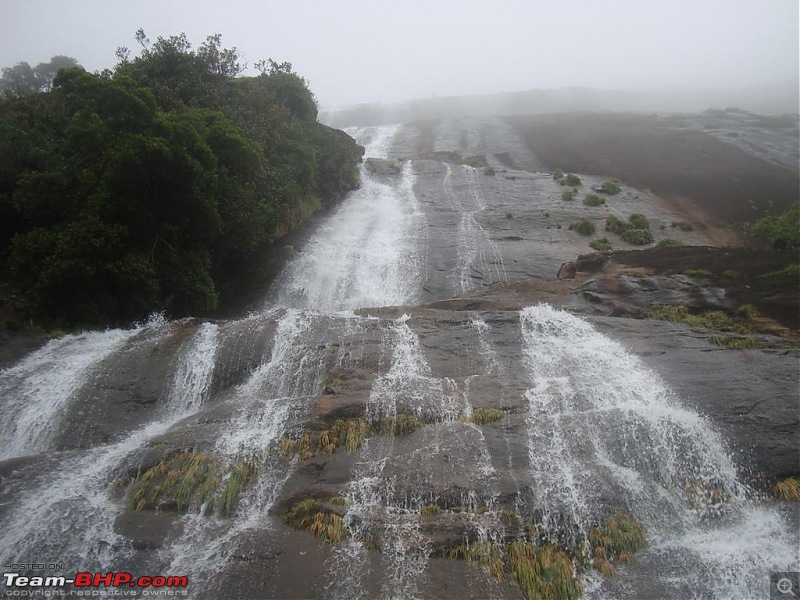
584,227
638,221
601,244
638,237
611,187
669,243
569,195
615,225
558,174
781,232
572,180
489,171
593,200
683,225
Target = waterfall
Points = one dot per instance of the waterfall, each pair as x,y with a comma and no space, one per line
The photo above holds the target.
369,252
37,391
69,516
601,424
478,257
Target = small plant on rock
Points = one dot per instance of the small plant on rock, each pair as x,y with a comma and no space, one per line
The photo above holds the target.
601,245
593,200
482,416
611,187
569,195
584,227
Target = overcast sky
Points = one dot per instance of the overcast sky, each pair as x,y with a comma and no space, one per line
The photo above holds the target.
377,51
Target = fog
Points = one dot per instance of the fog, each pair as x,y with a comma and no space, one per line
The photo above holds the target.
371,51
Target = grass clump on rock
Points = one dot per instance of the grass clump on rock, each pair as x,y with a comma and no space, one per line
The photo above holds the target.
569,195
349,434
710,319
620,536
584,227
601,244
572,180
787,489
593,200
682,225
611,187
191,478
542,572
483,416
317,518
638,237
636,230
669,243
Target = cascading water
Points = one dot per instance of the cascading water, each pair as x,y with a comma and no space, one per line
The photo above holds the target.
366,254
69,516
603,425
37,391
478,256
369,252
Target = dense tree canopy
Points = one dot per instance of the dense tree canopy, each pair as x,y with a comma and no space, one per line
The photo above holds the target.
130,191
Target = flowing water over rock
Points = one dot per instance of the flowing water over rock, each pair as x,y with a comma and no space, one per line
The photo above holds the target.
410,435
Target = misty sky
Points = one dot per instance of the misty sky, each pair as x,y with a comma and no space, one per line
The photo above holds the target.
375,51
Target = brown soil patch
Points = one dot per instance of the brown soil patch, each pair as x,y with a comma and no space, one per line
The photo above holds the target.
718,178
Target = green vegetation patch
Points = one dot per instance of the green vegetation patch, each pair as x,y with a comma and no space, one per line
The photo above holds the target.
781,232
483,416
601,244
584,227
738,343
611,187
317,518
542,572
710,319
569,195
144,186
638,237
620,536
188,479
669,243
636,230
791,270
593,200
572,180
683,225
349,434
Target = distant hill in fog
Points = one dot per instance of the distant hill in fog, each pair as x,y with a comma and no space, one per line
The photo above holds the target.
781,97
